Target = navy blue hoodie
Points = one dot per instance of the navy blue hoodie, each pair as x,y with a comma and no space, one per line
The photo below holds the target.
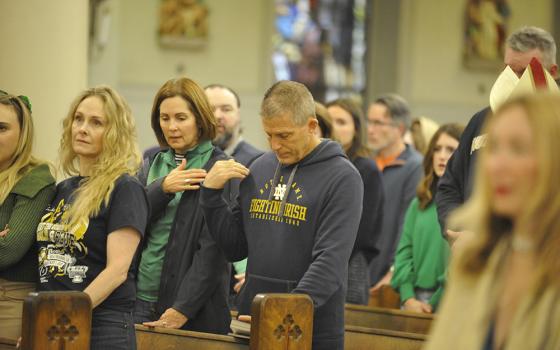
297,225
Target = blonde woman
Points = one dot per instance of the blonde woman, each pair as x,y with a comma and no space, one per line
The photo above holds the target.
504,290
421,132
89,234
26,188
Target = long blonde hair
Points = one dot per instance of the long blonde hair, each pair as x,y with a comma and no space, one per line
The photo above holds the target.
119,154
22,160
541,214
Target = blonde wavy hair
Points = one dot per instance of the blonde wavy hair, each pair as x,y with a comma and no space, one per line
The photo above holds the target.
541,212
119,155
22,160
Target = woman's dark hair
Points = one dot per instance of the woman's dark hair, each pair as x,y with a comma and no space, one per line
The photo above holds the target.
197,103
426,189
358,147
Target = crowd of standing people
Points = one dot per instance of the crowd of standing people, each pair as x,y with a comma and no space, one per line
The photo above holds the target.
343,204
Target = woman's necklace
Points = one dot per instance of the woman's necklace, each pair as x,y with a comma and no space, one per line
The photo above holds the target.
522,244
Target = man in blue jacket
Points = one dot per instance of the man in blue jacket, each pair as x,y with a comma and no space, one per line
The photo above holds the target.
226,106
298,213
401,168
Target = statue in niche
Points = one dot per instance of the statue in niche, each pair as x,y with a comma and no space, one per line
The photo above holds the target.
485,32
183,23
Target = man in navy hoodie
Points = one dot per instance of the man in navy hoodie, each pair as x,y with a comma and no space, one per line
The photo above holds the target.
298,213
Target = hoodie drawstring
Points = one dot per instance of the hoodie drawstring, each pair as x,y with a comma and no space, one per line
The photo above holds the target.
288,187
274,181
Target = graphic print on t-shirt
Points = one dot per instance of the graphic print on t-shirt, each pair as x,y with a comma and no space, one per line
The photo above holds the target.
268,210
61,246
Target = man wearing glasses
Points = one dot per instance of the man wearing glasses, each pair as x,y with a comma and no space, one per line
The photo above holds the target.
401,165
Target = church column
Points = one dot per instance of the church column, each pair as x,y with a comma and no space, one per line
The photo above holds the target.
44,56
383,48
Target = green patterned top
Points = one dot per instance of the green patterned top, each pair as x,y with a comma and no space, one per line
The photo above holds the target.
21,212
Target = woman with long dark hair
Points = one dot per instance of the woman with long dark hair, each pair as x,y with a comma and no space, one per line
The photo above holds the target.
349,130
422,253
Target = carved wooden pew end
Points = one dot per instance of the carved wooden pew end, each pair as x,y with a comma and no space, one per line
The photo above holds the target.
56,320
281,321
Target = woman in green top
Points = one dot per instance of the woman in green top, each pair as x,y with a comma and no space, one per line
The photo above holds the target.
26,188
422,253
183,277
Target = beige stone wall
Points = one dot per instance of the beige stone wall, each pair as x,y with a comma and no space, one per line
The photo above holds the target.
44,56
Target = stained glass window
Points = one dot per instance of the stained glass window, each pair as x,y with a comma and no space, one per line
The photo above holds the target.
322,44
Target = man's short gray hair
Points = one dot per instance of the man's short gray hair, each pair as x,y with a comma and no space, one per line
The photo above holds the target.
288,97
397,107
528,38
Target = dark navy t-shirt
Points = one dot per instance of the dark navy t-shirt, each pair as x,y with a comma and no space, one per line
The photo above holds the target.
70,258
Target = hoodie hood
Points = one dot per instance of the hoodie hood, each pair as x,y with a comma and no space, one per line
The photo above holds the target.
326,150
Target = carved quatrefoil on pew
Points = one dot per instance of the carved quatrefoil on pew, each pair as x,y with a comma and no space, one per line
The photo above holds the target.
288,328
63,331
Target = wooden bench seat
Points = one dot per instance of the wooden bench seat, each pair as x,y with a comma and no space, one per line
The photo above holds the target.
390,319
383,318
148,338
358,338
7,344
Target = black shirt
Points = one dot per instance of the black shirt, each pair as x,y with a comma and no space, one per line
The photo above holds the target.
455,186
71,258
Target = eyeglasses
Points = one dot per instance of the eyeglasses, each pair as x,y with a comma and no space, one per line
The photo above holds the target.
379,123
23,98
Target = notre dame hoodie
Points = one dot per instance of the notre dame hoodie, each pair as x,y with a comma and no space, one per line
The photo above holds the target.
297,225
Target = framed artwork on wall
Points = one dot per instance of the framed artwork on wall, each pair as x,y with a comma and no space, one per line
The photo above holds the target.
486,30
183,23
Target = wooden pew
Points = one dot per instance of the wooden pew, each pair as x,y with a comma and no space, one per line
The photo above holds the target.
279,321
62,320
268,320
361,338
383,318
356,338
148,338
389,319
385,297
7,344
56,320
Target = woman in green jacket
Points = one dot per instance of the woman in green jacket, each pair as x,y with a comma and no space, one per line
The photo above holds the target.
422,253
26,188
